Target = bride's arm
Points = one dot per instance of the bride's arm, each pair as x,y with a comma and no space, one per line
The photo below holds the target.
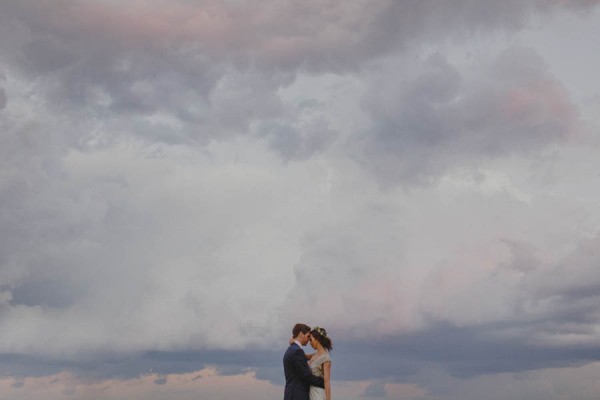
308,356
326,378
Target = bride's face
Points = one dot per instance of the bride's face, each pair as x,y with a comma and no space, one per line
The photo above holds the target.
313,343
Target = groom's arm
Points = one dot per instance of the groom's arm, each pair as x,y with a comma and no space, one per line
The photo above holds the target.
304,373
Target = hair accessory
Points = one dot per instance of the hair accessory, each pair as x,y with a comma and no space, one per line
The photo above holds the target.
321,331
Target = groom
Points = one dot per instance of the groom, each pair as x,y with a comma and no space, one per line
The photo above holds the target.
298,378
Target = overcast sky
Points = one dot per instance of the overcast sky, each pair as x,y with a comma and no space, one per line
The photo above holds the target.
183,180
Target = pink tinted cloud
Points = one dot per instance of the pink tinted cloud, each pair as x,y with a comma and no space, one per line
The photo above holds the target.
206,383
276,31
542,101
134,23
317,34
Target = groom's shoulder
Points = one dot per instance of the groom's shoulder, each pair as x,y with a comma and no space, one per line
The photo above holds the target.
292,348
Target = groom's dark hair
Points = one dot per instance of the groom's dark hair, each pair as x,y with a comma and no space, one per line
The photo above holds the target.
300,328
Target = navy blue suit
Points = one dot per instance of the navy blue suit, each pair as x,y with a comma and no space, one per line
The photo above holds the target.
298,377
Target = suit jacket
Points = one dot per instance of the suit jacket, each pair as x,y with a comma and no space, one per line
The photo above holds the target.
298,377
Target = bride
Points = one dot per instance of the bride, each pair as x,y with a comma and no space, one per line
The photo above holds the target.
320,363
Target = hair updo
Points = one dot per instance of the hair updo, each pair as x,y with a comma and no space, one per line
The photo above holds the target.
321,335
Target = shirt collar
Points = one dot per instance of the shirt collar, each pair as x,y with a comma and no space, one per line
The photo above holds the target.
298,343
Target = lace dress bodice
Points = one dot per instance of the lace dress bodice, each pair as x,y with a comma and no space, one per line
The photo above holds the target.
316,367
316,363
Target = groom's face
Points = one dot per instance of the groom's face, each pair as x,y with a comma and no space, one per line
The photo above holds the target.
303,338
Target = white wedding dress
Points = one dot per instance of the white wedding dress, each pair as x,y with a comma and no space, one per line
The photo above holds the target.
316,367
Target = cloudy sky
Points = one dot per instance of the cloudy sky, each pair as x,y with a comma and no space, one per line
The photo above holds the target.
183,180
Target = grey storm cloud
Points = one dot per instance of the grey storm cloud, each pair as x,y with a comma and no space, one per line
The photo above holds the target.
439,118
104,61
216,72
301,142
3,98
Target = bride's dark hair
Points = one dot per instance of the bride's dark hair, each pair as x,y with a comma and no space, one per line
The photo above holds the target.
321,335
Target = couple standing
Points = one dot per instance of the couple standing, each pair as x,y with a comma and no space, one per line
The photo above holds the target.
307,376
